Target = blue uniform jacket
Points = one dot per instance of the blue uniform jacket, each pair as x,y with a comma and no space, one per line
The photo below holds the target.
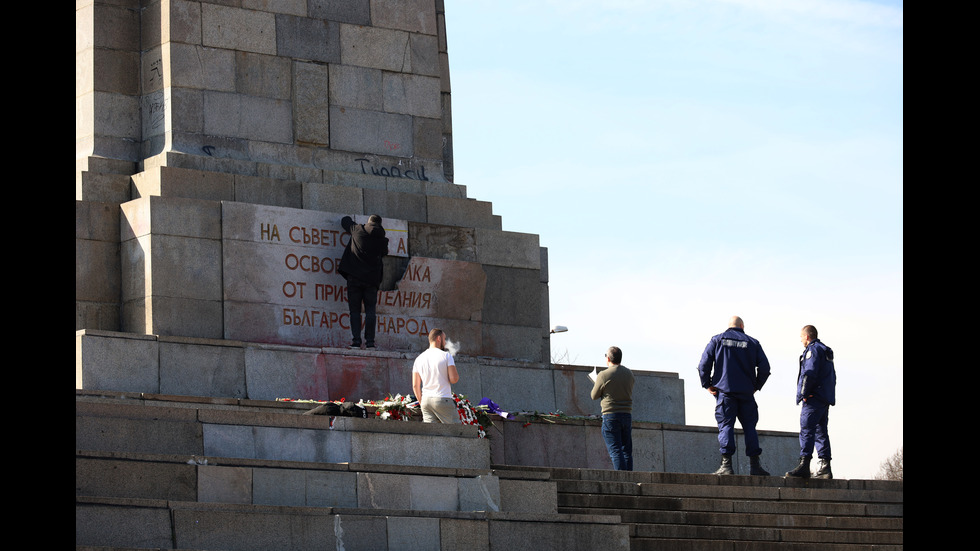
734,357
817,377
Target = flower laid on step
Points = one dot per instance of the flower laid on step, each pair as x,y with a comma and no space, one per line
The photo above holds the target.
468,415
396,408
402,408
533,416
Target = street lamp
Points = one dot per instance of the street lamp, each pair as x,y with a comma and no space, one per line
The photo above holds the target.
559,329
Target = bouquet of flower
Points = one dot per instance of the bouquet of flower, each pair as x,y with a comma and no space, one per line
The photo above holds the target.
469,415
395,408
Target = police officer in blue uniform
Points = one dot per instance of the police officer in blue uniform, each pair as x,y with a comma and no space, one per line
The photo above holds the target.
733,368
816,388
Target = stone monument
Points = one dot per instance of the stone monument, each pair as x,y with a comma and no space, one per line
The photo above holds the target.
218,146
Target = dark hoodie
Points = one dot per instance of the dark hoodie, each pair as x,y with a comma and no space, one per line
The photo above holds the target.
362,257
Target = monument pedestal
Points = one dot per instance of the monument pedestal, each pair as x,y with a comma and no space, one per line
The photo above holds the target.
157,364
218,148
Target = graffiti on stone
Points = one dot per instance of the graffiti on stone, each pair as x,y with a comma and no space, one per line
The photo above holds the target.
393,171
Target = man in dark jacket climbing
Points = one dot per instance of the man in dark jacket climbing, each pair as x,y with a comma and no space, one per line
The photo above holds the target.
362,267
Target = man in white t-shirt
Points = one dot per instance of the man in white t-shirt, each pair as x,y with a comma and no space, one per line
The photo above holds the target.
433,375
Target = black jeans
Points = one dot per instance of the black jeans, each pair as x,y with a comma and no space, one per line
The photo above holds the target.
358,292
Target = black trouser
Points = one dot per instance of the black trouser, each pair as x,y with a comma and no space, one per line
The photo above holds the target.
358,292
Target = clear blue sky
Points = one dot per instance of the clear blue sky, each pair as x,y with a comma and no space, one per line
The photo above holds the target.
685,161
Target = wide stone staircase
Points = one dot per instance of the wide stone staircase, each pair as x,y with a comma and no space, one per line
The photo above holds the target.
679,511
180,472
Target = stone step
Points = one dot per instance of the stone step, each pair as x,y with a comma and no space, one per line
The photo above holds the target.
728,512
756,520
169,524
223,490
288,483
667,544
695,511
226,473
735,526
268,430
889,501
697,479
265,455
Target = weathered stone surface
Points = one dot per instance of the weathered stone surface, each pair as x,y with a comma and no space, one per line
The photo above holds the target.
311,107
238,29
136,479
513,297
371,131
466,213
512,249
248,117
114,526
218,484
420,450
357,12
473,535
97,253
427,138
412,95
263,75
356,87
375,48
389,204
272,373
166,181
333,198
417,16
194,368
307,39
446,242
512,341
279,443
117,361
413,533
192,66
268,191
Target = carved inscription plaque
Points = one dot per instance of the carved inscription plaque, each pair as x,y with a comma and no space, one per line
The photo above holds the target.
281,283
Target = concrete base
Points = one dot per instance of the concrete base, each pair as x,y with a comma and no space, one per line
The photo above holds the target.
210,473
207,473
189,525
220,368
657,447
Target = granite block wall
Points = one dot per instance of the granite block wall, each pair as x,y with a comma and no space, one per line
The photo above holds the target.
270,81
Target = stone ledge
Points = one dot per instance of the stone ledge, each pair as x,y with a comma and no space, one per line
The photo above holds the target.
325,511
153,364
272,414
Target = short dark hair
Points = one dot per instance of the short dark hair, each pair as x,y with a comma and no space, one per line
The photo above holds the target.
811,332
374,219
435,334
614,354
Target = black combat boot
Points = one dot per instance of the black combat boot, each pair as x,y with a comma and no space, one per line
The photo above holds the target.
726,465
823,469
803,469
755,467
